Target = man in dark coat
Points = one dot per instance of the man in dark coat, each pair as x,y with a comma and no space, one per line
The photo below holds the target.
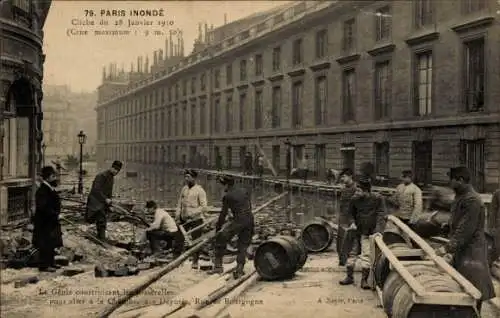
47,235
494,222
466,249
99,199
237,200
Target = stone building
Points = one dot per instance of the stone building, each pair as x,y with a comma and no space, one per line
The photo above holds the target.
21,72
404,84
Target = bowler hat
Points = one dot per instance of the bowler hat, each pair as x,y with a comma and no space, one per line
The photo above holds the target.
47,171
117,165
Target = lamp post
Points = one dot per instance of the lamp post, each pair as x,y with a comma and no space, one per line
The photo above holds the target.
81,140
44,146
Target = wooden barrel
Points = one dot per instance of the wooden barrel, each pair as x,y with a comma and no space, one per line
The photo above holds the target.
394,282
382,269
279,258
318,235
403,306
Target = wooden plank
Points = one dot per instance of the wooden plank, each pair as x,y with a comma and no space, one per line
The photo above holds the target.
441,298
408,252
406,263
440,262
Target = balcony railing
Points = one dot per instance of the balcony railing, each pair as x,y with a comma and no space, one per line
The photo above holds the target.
276,21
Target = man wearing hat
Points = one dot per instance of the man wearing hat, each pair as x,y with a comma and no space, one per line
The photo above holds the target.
47,235
237,200
466,248
190,207
368,211
100,198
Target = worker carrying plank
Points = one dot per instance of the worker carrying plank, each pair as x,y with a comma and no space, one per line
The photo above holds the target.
236,199
190,208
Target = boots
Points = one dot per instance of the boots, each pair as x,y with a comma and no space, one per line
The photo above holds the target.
349,279
365,272
238,272
217,269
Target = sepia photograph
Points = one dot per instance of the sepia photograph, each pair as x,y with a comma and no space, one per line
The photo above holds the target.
241,159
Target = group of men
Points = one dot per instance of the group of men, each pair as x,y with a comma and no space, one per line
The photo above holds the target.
363,213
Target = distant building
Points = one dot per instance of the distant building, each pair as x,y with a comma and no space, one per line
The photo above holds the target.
21,94
404,84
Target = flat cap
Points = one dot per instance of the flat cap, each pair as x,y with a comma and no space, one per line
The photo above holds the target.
117,165
47,171
225,179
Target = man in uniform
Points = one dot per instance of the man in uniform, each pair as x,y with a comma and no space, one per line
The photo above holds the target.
466,249
190,207
47,235
344,219
368,211
237,200
99,199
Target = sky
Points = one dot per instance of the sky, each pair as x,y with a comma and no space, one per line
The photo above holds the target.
77,60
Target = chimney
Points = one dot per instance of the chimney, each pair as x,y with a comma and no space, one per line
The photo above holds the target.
146,65
160,56
225,18
111,71
182,46
200,33
166,48
178,45
103,74
155,58
138,64
206,33
171,46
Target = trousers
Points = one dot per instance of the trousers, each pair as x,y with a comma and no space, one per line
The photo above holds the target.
244,230
46,256
364,256
189,225
100,224
171,238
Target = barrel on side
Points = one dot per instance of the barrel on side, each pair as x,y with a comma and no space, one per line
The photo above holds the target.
279,258
318,235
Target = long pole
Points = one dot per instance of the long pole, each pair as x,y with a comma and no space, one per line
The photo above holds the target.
80,174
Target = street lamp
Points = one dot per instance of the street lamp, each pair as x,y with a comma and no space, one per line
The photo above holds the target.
44,146
81,140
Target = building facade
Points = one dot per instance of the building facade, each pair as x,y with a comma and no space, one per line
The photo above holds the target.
404,84
21,72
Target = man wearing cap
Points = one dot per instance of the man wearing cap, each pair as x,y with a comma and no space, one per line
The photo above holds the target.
466,248
408,199
163,228
368,211
99,199
47,235
237,200
348,190
190,207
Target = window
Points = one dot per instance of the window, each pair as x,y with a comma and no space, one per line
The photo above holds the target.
243,98
423,13
229,157
349,37
259,64
297,52
193,119
215,116
474,75
276,107
229,74
321,101
243,151
348,151
297,104
321,43
162,125
383,23
176,122
193,85
320,160
473,156
243,70
276,58
470,6
382,90
423,84
203,82
184,120
184,87
348,91
229,114
276,158
382,158
258,110
176,93
203,114
422,162
217,79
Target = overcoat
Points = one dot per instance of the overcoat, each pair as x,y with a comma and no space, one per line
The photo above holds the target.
47,229
467,241
102,189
